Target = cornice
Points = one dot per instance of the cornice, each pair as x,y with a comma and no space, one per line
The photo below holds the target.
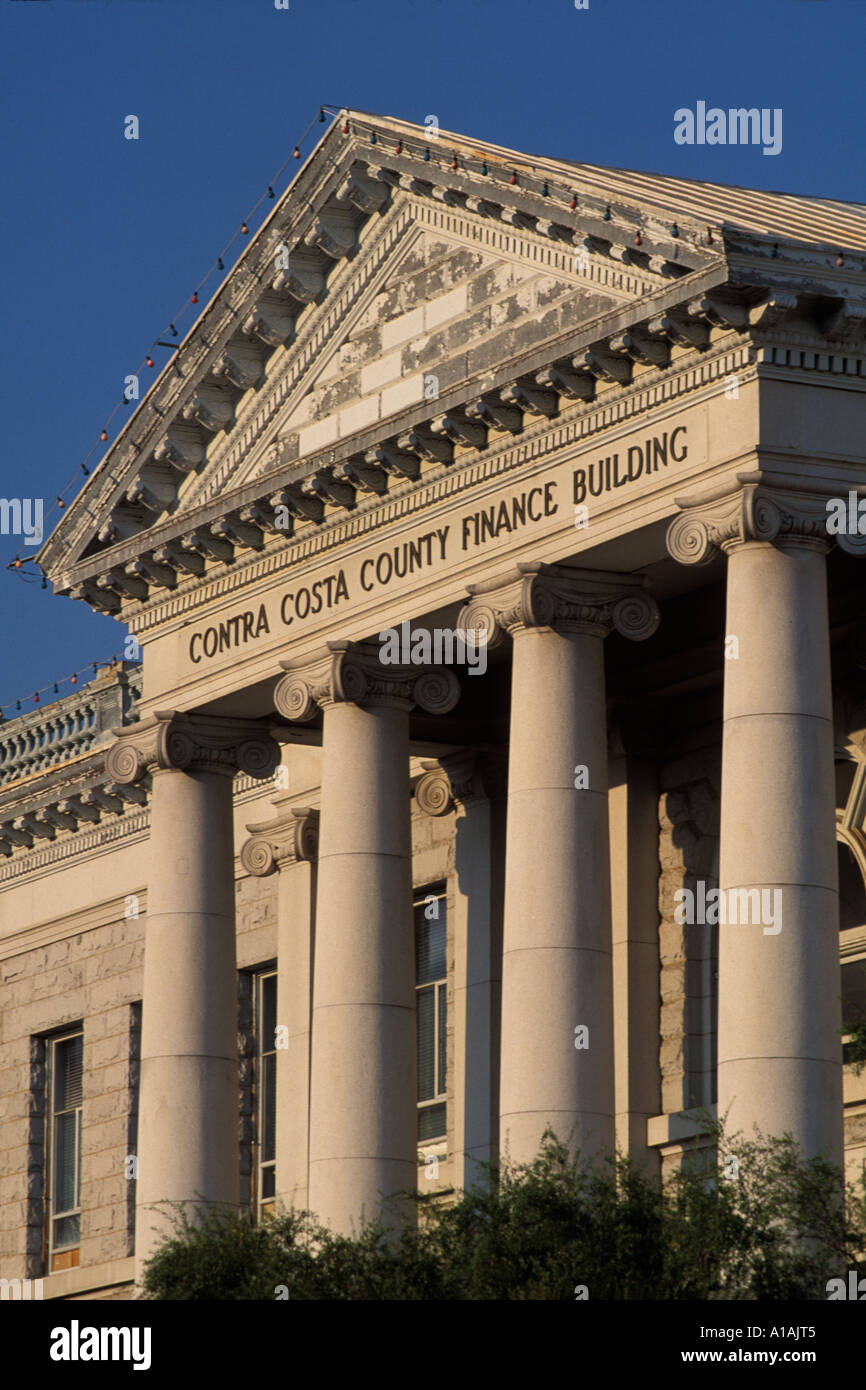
132,581
319,220
694,373
352,282
354,194
99,815
730,354
293,215
132,826
91,918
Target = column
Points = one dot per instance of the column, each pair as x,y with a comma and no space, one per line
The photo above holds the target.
288,845
557,1011
634,846
461,781
779,1052
363,1089
188,1101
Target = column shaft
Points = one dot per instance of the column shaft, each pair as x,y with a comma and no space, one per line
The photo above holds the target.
188,1110
296,899
363,1093
556,974
779,1013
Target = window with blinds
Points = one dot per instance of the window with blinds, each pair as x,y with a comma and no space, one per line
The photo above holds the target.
65,1060
266,1088
431,1005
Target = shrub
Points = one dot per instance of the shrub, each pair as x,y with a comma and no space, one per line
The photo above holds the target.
740,1220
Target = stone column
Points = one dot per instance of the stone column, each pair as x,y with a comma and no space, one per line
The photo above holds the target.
634,845
557,1013
363,1090
779,1052
188,1104
288,844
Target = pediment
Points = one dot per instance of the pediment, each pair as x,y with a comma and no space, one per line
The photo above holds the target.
434,311
394,310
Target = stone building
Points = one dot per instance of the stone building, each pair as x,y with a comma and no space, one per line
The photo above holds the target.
329,896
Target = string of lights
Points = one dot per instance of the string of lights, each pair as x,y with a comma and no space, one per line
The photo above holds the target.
54,687
487,167
170,331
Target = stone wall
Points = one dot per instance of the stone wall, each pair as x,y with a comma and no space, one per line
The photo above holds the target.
94,978
688,851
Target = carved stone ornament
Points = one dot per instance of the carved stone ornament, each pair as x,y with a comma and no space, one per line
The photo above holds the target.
456,779
755,511
563,598
191,743
291,836
354,672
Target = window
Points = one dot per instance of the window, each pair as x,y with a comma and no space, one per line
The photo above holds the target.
430,999
266,1089
853,994
64,1149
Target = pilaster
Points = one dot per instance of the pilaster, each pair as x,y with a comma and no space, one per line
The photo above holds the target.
288,845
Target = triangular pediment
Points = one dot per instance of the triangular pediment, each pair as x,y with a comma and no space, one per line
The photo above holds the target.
420,312
407,299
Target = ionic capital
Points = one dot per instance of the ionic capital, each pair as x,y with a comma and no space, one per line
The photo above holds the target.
563,598
191,743
355,673
292,835
753,511
455,779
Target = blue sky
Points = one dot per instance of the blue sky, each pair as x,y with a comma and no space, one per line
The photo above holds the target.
104,238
